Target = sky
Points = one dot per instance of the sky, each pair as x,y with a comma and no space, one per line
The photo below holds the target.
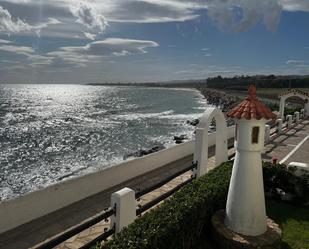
71,41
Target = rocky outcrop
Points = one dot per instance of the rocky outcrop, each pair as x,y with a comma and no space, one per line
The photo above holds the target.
180,139
193,122
142,152
220,99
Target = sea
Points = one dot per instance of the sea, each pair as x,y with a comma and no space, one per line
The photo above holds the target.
50,133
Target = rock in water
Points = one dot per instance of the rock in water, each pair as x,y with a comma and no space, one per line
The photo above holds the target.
142,152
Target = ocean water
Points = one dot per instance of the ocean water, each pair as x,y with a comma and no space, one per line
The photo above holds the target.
49,133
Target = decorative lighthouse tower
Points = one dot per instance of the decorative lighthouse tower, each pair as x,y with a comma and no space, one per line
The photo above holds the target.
245,207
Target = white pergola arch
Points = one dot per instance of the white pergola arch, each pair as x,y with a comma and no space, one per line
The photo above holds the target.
293,93
202,139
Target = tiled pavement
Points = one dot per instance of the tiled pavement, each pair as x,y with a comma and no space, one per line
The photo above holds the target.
46,227
282,145
301,155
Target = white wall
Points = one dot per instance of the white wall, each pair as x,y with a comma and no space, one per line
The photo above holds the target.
41,202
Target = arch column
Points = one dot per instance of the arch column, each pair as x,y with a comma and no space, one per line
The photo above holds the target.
202,140
221,144
200,153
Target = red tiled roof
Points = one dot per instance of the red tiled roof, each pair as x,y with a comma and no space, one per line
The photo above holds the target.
251,108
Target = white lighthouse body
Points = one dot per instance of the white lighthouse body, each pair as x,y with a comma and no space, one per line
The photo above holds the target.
245,207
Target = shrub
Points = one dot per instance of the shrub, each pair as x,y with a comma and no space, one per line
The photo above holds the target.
179,221
278,178
291,110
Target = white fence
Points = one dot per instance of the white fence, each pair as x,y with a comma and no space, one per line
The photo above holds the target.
38,203
16,212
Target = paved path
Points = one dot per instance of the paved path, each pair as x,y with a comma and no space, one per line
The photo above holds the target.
281,146
301,154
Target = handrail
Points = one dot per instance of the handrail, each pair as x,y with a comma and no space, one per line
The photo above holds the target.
273,125
231,156
98,239
58,239
164,181
160,198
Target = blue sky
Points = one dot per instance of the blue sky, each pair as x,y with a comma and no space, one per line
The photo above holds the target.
69,41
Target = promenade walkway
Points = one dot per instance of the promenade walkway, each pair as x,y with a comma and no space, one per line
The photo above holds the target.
29,235
283,145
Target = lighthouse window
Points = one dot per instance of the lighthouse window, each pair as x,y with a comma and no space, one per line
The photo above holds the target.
255,134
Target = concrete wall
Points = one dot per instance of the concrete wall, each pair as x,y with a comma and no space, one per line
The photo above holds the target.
41,202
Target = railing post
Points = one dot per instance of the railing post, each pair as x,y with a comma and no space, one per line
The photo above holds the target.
289,121
296,117
302,113
201,151
125,205
279,123
267,134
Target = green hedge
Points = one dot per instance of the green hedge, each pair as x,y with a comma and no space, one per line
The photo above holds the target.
291,110
179,221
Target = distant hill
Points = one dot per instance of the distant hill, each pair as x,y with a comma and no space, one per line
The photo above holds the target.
174,83
233,83
261,81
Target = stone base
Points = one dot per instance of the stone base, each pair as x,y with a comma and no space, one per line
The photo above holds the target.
225,238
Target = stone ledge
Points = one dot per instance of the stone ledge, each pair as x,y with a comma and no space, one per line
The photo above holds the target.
225,238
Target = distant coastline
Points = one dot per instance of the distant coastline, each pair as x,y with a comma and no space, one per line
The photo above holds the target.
227,92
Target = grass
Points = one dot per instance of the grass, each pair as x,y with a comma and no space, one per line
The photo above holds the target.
294,222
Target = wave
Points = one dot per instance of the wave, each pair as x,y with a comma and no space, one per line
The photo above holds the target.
183,117
134,116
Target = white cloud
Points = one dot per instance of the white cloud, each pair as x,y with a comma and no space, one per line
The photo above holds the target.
90,36
202,71
295,5
149,11
26,55
4,41
229,15
7,24
21,50
95,51
240,15
294,62
110,46
89,16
